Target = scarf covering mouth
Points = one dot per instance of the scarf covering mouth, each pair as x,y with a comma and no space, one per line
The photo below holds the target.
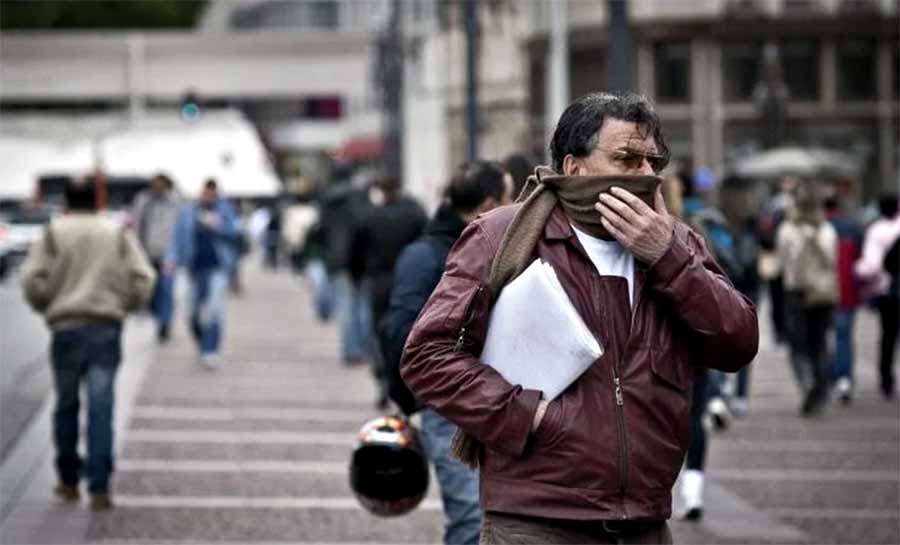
543,190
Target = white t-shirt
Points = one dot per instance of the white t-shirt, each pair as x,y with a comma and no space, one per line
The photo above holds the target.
610,258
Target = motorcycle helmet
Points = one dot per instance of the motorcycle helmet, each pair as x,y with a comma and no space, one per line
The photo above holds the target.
388,471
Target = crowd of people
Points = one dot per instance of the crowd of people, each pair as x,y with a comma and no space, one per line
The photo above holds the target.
662,275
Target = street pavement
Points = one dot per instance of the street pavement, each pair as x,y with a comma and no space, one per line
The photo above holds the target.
257,451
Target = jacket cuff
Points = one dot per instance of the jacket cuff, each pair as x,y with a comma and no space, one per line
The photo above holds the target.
674,260
521,429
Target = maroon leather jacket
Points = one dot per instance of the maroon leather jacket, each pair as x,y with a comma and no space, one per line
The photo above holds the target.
611,445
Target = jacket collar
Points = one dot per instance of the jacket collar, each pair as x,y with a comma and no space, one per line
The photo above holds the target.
558,226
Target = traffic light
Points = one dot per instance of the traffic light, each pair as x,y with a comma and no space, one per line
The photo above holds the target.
190,107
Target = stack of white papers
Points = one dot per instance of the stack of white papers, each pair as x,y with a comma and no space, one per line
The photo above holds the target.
535,336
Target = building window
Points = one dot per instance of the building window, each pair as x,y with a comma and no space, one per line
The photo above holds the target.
857,70
314,15
800,66
672,65
740,70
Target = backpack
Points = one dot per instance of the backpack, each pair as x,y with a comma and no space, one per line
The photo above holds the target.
816,275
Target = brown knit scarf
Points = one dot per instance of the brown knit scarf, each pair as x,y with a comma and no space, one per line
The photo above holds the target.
543,190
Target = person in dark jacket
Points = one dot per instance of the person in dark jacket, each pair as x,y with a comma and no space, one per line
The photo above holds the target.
395,221
475,188
597,463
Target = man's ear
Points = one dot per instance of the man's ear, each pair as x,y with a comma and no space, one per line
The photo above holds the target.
571,166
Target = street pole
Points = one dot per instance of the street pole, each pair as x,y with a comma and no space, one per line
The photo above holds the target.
470,15
389,74
619,51
557,73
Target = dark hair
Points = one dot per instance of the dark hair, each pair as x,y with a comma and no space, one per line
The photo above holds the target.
887,205
578,127
520,166
81,194
473,183
164,178
832,203
211,184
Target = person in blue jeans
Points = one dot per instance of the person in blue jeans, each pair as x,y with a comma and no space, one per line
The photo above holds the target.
154,214
84,275
849,245
475,188
206,243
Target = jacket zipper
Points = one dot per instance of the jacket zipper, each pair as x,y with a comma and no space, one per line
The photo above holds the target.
461,339
620,402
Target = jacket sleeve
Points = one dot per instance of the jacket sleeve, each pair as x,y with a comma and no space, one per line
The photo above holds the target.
36,275
440,362
721,323
415,277
141,275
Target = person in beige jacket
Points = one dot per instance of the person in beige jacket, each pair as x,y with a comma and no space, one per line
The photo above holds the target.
84,275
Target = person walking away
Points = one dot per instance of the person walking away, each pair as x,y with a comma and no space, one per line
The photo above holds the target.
520,166
154,214
205,244
878,269
806,245
342,207
597,463
474,189
849,243
377,242
84,275
770,269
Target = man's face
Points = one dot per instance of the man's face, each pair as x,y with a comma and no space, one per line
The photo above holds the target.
208,197
621,150
158,185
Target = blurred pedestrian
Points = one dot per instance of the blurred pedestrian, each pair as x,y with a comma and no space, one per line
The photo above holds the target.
806,245
597,463
272,238
474,189
878,268
343,207
520,166
206,240
849,243
84,275
770,269
154,214
390,226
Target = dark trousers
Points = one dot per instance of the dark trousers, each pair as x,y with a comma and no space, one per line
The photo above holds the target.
696,454
889,312
807,331
502,529
89,354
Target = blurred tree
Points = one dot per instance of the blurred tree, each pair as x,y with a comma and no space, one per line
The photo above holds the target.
98,14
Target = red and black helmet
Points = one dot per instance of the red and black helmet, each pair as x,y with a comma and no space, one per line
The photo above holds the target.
388,471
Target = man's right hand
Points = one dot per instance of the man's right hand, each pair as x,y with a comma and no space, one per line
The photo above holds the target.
539,414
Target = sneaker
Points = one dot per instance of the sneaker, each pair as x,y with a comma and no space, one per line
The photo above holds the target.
693,514
692,494
210,361
162,334
719,414
844,389
101,501
814,402
67,493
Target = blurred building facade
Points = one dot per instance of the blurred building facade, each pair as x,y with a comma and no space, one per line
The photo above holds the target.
300,71
699,60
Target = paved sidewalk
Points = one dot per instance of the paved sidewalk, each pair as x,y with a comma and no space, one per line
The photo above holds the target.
257,451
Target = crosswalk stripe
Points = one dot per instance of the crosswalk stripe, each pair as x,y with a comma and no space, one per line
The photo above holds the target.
249,413
224,466
807,445
819,513
842,475
233,502
242,437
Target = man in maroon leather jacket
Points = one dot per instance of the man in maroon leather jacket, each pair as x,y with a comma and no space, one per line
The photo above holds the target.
597,463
